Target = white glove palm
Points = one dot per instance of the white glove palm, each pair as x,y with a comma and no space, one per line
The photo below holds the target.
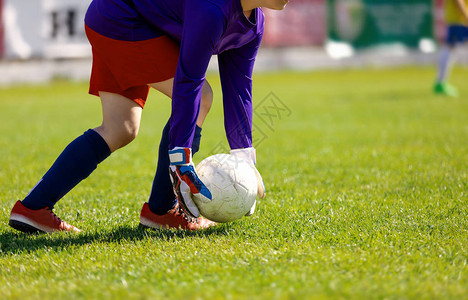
249,155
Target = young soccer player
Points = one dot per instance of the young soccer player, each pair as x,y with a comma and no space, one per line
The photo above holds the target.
456,17
166,45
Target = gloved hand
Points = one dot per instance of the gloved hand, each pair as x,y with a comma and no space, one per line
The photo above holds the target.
249,155
185,181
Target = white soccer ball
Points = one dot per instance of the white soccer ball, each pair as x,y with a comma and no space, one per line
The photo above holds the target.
233,185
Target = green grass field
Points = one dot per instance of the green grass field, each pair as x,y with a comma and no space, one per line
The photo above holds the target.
367,180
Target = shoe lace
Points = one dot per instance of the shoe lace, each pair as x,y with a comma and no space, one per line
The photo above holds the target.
56,218
180,212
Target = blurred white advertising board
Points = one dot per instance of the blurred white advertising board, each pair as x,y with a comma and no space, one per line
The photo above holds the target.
45,29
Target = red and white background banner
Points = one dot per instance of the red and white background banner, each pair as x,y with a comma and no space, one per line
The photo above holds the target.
439,22
301,23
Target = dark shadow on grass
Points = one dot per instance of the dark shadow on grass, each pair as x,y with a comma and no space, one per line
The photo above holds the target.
12,242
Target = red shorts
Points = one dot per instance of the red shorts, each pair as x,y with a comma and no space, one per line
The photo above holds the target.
126,68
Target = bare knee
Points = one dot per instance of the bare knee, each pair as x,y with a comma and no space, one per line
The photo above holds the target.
127,133
118,135
205,103
206,97
121,120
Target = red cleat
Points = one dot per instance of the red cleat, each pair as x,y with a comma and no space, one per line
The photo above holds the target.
32,221
175,218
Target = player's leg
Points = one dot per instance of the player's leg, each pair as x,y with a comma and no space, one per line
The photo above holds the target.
162,198
162,202
121,119
455,35
444,63
443,71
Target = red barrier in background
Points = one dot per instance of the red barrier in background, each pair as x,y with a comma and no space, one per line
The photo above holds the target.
2,31
439,20
301,23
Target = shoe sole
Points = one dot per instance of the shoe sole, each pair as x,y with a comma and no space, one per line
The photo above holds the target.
165,227
142,225
26,228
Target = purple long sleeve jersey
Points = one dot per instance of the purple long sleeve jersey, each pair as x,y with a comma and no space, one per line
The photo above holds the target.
202,28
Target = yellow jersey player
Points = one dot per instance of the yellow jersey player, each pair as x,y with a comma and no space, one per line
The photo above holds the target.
456,17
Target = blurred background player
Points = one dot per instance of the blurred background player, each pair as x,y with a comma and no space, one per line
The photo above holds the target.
166,45
456,17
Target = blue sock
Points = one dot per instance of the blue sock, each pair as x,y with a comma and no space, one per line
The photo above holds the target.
79,159
162,198
196,140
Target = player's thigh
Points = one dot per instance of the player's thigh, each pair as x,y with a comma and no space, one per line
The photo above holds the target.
166,87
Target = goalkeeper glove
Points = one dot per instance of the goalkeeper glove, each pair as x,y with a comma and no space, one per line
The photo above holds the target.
185,181
249,155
